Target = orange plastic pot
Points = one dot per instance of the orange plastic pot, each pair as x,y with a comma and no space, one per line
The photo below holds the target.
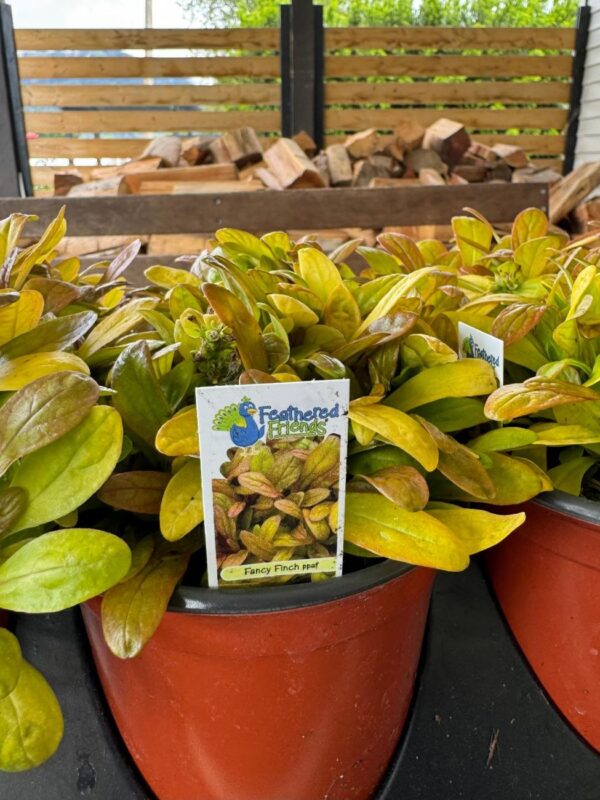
281,693
547,580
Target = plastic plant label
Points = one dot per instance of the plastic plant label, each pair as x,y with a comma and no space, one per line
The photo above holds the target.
273,460
473,343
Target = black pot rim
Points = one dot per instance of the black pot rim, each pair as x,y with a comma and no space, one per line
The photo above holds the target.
579,507
265,599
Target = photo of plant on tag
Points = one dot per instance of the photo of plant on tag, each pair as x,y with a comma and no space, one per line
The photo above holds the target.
473,343
273,461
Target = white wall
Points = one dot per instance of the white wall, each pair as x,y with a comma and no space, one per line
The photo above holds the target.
588,135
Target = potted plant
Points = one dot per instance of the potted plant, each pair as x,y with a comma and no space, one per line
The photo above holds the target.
201,704
542,297
58,444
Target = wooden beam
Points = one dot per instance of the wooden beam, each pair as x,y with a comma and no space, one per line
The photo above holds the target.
473,118
317,209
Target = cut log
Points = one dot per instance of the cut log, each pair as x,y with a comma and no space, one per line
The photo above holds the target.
65,181
291,166
129,168
248,173
420,159
306,143
472,173
161,244
393,147
206,172
512,155
219,152
381,183
166,147
198,187
500,171
448,139
572,189
456,180
385,163
268,179
243,146
409,135
365,171
321,163
362,144
339,165
104,188
431,177
196,150
483,151
528,175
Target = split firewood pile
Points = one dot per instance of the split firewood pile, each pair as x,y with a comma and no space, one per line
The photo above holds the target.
238,160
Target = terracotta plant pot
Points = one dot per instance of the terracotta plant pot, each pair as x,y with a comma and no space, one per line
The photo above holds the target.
547,581
281,693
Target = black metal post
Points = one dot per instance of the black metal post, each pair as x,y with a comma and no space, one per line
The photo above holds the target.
302,47
581,40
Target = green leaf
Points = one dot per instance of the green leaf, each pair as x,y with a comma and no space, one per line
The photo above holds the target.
454,413
181,507
400,429
382,527
469,377
503,439
139,399
11,662
60,569
368,461
568,477
132,611
114,325
61,476
31,722
55,334
139,491
42,412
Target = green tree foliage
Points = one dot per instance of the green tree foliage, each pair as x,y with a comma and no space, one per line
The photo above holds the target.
517,13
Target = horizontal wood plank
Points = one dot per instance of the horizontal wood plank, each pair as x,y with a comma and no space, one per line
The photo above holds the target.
149,95
146,39
473,118
450,37
148,67
268,38
316,208
544,143
422,92
139,121
444,65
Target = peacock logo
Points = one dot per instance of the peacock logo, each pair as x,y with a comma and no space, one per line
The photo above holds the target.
238,420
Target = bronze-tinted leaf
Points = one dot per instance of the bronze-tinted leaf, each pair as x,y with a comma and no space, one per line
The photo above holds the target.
257,483
233,313
55,334
12,504
535,394
321,460
404,486
515,321
139,491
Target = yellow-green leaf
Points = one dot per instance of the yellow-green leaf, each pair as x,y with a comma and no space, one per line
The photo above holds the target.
569,476
469,377
53,334
400,429
473,238
320,273
132,611
61,476
299,312
181,507
342,312
20,371
10,662
60,569
179,435
382,527
20,316
476,529
552,434
114,325
233,313
403,485
168,277
503,439
31,722
12,504
516,480
535,394
530,223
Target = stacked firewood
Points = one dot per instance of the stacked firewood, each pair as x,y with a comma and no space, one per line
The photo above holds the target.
239,160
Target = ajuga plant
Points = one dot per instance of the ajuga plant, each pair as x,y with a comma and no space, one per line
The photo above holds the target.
59,442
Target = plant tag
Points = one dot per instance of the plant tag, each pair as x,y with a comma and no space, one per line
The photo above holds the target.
473,343
273,460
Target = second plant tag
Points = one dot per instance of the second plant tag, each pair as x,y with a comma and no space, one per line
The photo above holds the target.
473,343
273,459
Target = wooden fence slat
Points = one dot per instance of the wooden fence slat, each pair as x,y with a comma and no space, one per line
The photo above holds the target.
451,37
133,67
140,121
63,147
120,95
144,39
268,38
474,118
318,209
444,65
459,93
